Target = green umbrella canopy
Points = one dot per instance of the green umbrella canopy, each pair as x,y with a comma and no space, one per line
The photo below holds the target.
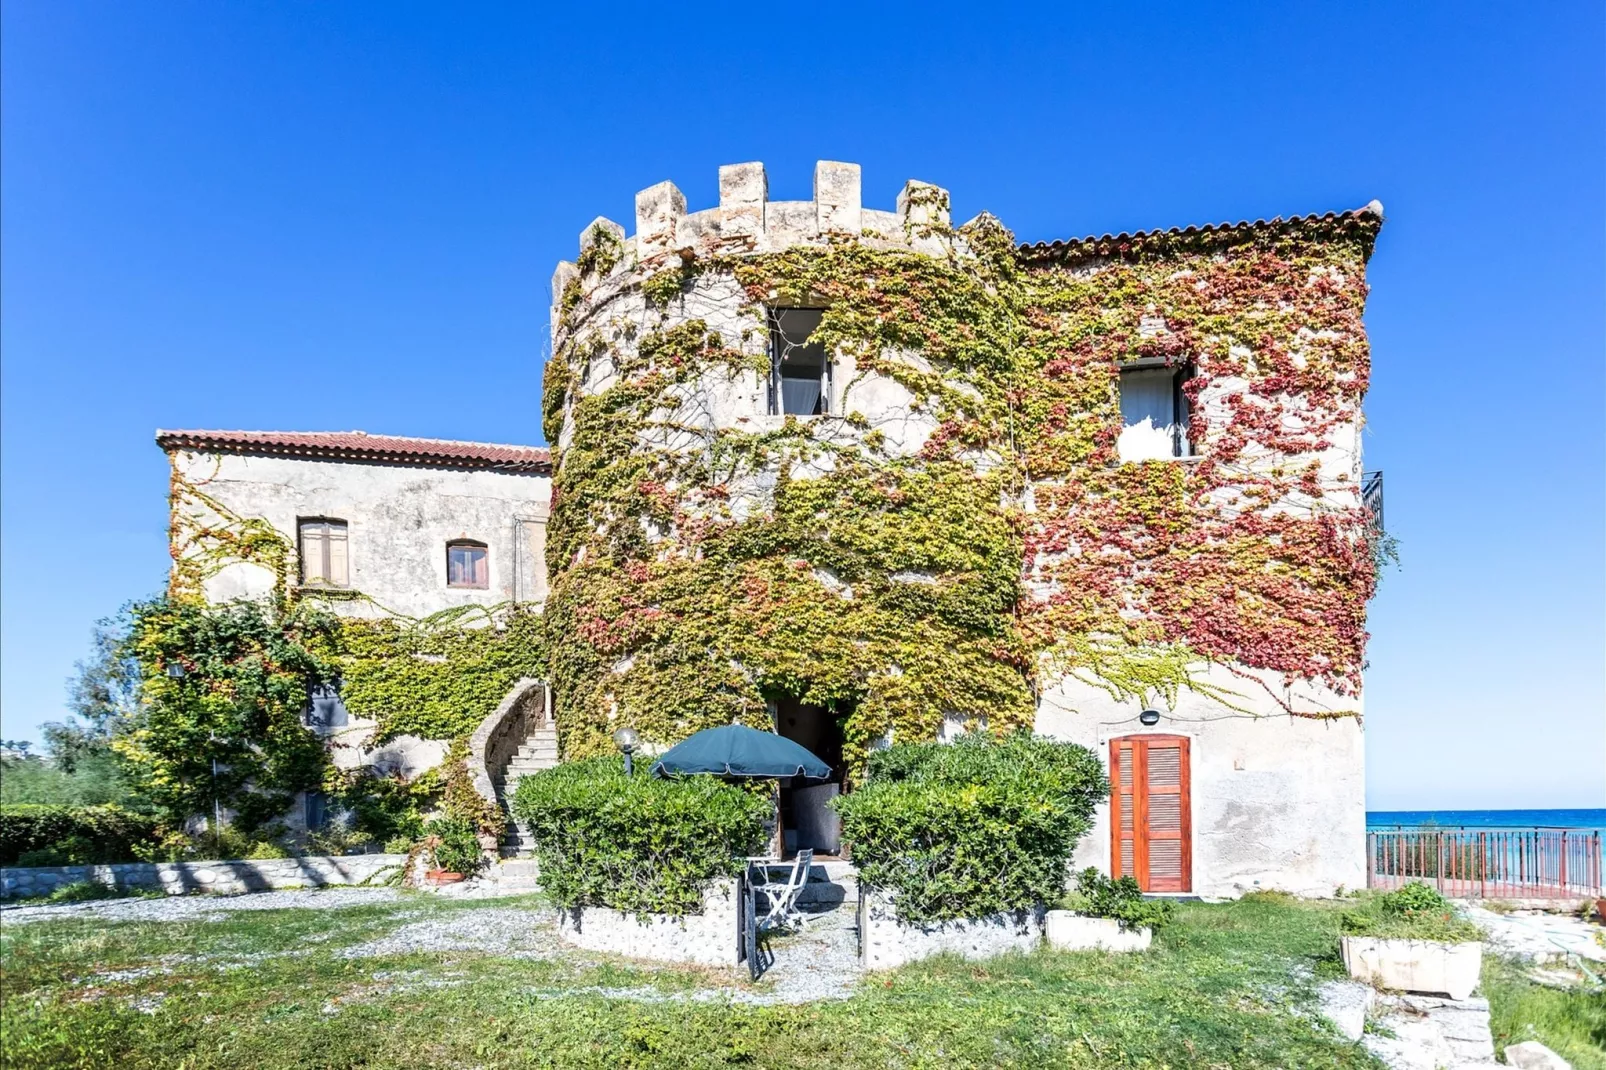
736,750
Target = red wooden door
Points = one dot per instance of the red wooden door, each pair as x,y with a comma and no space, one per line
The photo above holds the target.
1150,817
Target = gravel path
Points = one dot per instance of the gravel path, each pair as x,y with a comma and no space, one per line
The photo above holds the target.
818,963
199,907
507,931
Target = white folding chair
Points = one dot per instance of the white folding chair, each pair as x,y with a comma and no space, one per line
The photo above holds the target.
782,895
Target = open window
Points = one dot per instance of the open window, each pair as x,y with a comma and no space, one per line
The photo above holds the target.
468,564
800,370
323,551
1154,411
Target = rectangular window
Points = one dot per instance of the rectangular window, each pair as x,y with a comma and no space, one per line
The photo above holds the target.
467,565
323,552
1154,412
800,371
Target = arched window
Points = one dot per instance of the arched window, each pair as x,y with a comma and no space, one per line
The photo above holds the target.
468,564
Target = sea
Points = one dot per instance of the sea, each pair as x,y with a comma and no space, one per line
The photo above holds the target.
1592,819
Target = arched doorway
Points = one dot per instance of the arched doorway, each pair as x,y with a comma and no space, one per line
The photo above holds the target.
1151,814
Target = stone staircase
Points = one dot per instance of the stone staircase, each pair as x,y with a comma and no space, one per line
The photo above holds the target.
538,751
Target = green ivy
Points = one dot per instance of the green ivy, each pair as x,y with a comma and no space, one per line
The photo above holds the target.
892,589
437,678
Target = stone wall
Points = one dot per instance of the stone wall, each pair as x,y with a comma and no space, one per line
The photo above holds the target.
220,878
399,519
707,939
1277,802
886,943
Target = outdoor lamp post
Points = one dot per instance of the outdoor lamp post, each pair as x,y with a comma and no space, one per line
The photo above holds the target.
1150,718
625,739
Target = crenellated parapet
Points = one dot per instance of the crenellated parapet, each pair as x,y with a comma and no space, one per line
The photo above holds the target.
747,222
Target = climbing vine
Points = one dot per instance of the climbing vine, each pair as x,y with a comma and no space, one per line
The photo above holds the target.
701,567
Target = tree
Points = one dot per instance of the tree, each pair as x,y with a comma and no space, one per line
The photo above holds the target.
104,696
224,688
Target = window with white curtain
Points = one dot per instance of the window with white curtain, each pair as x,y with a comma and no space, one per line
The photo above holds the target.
800,371
1154,413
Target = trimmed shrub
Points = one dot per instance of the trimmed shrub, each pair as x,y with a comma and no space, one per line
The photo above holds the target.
37,835
1414,911
973,827
1098,896
636,843
454,844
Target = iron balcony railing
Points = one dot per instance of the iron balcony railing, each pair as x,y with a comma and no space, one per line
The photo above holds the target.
1372,497
1531,863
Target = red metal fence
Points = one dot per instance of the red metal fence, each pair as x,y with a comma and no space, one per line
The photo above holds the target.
1535,863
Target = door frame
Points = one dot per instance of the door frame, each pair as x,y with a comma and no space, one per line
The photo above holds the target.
1140,805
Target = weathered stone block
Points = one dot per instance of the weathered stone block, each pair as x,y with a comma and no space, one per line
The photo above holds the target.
743,190
1414,965
838,197
600,225
1532,1055
658,212
1069,931
923,204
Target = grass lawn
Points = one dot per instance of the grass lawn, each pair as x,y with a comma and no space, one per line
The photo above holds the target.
270,989
1572,1024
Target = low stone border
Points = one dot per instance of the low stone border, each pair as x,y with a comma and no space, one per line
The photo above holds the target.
1069,931
223,878
1426,966
707,939
886,943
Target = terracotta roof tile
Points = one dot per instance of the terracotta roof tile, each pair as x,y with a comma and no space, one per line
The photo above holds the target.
1364,221
361,446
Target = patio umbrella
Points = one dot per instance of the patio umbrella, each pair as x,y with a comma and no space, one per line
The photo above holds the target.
736,750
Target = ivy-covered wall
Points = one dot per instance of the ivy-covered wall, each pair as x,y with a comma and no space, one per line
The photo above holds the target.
961,530
435,676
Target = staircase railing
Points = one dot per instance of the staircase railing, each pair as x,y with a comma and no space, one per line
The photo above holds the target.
527,707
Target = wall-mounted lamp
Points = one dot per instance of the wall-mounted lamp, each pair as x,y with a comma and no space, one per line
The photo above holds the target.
1149,718
625,739
175,671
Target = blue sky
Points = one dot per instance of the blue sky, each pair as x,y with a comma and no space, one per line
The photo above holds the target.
301,216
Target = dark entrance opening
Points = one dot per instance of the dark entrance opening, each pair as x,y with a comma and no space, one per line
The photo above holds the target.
807,820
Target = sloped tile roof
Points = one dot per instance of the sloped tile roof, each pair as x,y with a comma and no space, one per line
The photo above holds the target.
361,446
1365,221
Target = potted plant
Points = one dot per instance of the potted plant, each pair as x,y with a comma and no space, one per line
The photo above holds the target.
453,842
1412,940
1108,914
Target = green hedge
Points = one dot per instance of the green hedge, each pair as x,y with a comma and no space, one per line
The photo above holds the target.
636,843
973,827
38,835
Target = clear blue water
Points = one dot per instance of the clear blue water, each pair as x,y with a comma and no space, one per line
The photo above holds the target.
1489,819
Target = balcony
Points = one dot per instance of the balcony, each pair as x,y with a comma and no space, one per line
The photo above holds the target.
1372,497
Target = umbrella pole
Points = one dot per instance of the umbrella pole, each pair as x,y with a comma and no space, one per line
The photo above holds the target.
779,846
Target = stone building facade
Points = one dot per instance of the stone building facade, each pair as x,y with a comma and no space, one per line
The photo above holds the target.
865,475
381,526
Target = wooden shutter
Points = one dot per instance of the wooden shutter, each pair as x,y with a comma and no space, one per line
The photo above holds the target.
1150,819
